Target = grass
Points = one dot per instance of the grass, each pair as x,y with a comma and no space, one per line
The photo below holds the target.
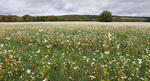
75,51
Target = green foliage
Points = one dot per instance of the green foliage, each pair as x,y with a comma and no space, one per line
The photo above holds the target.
117,19
26,18
148,20
106,16
3,18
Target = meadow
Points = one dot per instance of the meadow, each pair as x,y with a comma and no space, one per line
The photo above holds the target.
74,51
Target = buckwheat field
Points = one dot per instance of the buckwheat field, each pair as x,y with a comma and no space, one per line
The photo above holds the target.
74,51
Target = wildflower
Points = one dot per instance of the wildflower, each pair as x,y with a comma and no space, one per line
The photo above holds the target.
142,78
109,35
28,71
123,77
20,76
37,33
49,63
48,46
75,67
38,51
40,30
79,43
92,63
140,61
147,50
106,52
70,77
84,57
91,76
45,79
45,41
118,46
67,41
46,56
1,45
7,38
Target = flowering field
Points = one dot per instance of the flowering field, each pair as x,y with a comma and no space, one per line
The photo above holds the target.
74,51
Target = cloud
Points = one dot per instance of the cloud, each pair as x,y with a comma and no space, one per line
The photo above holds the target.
64,7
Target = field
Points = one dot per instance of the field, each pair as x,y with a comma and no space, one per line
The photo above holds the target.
75,51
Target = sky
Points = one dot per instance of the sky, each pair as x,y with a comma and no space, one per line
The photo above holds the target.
70,7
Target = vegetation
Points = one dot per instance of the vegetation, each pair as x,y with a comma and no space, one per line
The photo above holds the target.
118,19
148,20
106,16
28,18
76,51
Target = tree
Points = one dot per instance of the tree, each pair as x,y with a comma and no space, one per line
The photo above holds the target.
148,20
106,16
9,18
3,18
26,17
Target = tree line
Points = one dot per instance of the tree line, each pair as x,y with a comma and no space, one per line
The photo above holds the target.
28,18
105,16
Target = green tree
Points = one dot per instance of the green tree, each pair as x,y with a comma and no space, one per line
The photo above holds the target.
26,17
106,16
148,20
9,18
3,18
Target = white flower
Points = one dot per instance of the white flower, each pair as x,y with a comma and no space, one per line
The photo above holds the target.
48,46
45,79
92,63
146,50
49,63
28,71
38,51
10,51
118,46
91,76
37,33
79,43
109,35
7,38
84,57
76,67
46,56
123,77
70,77
88,59
106,52
1,45
134,62
67,41
142,78
40,30
20,76
45,41
140,61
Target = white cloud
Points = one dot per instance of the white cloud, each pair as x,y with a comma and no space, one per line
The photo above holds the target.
63,7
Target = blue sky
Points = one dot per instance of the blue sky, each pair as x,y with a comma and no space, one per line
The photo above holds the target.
68,7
